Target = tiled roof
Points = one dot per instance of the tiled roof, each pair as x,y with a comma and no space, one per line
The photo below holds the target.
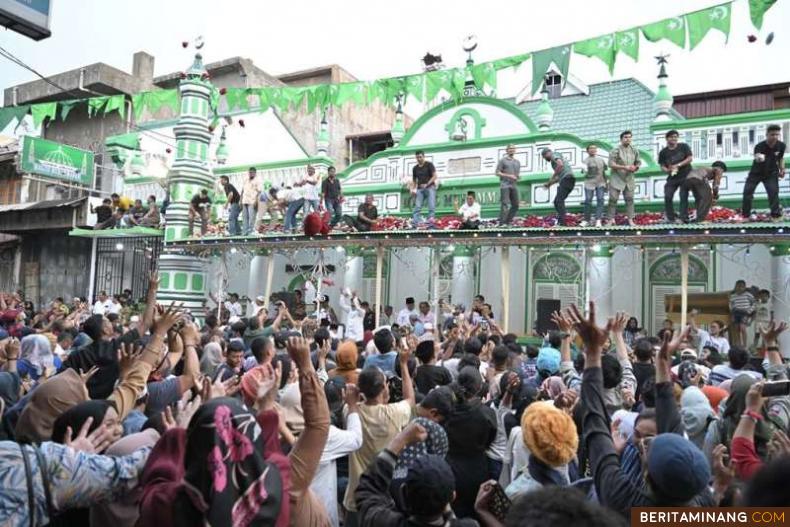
610,108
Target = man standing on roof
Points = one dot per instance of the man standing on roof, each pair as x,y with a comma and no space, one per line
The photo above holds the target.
624,162
563,175
508,173
249,200
234,205
675,159
424,180
768,168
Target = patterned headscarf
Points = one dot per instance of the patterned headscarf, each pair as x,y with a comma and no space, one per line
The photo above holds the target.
436,444
226,476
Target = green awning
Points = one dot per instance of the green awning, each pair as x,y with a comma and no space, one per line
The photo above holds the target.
130,232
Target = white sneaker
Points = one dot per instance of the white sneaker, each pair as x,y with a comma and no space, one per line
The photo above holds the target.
583,223
753,217
598,223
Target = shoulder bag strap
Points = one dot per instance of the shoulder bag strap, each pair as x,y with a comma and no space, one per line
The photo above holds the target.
45,482
31,495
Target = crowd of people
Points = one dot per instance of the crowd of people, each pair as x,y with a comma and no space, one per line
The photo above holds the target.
299,417
320,201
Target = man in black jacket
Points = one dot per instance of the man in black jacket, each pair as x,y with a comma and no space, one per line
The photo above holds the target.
427,492
677,471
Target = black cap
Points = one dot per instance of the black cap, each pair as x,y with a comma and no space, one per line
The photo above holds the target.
430,484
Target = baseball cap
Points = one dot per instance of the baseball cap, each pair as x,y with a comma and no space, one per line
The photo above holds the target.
430,484
260,299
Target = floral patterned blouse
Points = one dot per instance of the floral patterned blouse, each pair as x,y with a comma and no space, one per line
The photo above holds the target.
76,479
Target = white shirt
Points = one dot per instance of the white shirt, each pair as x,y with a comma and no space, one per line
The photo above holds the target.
311,189
470,212
354,318
102,308
113,308
339,443
234,308
257,309
309,292
404,314
427,318
720,343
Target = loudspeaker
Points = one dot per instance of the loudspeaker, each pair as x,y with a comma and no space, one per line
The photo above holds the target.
546,306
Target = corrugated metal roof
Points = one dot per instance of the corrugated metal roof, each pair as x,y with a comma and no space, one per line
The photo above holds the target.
610,108
48,204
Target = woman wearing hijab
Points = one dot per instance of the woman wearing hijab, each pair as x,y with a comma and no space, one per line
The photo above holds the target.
722,431
211,359
632,332
551,437
47,402
471,429
41,482
346,359
223,470
696,413
36,357
435,444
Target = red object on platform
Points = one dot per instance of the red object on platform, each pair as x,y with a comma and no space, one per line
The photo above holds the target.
223,91
316,223
752,38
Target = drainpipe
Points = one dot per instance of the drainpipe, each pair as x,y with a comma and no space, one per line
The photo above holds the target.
82,79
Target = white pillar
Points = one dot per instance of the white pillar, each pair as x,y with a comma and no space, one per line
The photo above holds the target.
505,288
463,287
780,292
437,263
256,285
599,281
377,300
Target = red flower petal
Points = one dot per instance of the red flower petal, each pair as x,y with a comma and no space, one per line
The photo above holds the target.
752,38
241,123
223,91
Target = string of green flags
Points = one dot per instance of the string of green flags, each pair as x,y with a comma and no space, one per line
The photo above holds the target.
684,31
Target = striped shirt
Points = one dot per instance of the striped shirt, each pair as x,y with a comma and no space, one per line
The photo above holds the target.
742,302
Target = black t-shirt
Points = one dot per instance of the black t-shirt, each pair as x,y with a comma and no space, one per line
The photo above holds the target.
773,155
232,194
429,376
103,213
330,188
669,157
370,211
199,201
103,354
423,174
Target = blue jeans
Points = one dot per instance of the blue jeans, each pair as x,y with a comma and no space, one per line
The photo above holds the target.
290,214
335,208
248,215
423,194
588,196
233,220
310,205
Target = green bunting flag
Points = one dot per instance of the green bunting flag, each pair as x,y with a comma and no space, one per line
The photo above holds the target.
757,9
700,22
600,47
672,29
43,111
542,60
510,62
116,103
66,107
9,113
628,42
95,105
154,101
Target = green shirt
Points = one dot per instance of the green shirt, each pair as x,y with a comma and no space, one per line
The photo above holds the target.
566,171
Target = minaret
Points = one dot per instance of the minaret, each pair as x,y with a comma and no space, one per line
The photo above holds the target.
662,102
183,277
322,139
545,114
398,130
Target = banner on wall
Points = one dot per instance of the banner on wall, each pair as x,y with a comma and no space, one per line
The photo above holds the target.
57,161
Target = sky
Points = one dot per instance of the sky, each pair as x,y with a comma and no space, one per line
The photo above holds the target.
382,39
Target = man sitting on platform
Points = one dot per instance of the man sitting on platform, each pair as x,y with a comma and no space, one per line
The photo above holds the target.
366,216
470,212
696,182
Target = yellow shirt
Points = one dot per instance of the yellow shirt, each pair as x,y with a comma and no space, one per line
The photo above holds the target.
380,424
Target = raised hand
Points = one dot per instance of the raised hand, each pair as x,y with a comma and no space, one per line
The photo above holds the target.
593,336
723,471
128,354
754,397
351,396
85,376
167,318
770,332
186,409
562,322
672,344
618,323
96,441
299,350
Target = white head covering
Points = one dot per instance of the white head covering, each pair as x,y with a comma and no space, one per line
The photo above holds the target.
211,359
37,350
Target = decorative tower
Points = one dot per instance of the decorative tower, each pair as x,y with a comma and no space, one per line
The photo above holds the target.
221,154
662,102
322,140
183,277
398,130
470,88
545,114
